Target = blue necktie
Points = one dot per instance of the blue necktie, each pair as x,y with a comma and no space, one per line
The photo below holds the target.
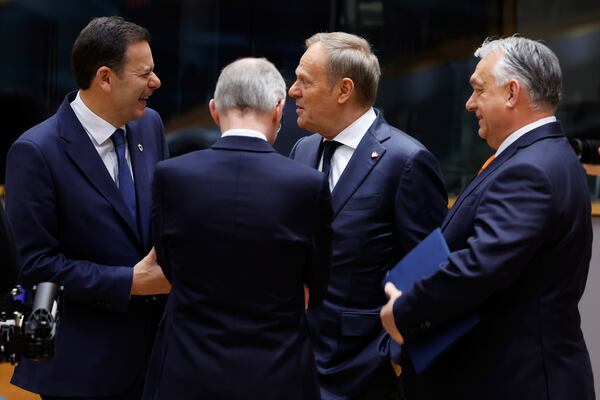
125,180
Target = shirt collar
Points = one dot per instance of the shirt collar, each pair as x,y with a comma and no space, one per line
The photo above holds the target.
245,132
98,129
353,133
522,131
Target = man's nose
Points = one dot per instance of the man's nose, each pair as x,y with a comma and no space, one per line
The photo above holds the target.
294,92
154,82
470,105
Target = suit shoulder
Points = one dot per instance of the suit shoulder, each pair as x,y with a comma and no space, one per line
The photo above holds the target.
403,147
307,141
549,157
295,168
182,162
401,141
41,133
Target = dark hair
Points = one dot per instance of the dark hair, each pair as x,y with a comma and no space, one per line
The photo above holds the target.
103,42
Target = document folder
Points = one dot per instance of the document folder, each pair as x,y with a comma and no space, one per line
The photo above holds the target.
423,261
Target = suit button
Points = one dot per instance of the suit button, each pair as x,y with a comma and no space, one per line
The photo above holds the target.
427,324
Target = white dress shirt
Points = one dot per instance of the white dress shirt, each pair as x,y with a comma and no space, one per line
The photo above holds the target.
349,139
100,133
510,139
245,132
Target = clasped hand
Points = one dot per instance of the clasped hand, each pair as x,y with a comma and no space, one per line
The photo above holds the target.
387,313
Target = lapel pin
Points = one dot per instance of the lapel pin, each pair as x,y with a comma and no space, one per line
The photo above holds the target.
374,154
140,147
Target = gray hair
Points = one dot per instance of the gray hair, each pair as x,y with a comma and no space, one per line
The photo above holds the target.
249,84
350,56
531,63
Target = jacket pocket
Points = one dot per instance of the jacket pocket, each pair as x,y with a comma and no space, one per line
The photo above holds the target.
360,323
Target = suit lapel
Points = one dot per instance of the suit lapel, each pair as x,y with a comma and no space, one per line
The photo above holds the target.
81,150
141,179
361,163
545,131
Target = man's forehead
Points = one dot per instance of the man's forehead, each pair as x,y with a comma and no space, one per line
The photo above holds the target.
484,69
475,78
313,57
486,65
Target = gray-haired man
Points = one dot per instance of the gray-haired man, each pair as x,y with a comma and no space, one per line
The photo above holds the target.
239,229
520,236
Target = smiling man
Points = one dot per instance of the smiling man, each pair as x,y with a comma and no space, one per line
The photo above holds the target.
520,235
79,200
387,195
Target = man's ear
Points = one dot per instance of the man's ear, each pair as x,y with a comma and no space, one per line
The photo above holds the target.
104,77
513,91
345,90
279,111
212,107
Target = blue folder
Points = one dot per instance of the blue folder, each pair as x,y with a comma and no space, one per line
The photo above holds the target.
423,261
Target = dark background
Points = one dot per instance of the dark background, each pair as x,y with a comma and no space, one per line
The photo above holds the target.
424,46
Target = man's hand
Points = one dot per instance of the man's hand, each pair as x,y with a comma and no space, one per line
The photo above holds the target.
306,297
148,278
387,313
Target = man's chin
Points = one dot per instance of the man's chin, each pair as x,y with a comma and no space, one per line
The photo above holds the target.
139,113
301,123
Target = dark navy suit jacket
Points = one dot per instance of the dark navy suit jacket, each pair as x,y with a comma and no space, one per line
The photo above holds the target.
72,227
389,197
238,229
520,235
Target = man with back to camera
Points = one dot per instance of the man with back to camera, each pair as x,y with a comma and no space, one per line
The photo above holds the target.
387,195
78,193
520,235
234,325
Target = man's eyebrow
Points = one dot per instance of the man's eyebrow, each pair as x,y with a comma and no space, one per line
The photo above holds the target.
146,69
475,81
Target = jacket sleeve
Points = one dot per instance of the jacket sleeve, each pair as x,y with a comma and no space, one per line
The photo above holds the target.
31,205
508,230
421,202
158,237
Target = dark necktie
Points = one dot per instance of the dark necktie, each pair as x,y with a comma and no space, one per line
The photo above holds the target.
329,147
125,180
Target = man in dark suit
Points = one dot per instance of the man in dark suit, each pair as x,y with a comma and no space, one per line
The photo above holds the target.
387,195
520,235
80,206
234,326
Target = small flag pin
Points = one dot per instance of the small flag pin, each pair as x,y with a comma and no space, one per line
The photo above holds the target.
374,154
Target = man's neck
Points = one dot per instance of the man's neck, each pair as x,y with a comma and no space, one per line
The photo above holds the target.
250,121
98,107
519,120
344,119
